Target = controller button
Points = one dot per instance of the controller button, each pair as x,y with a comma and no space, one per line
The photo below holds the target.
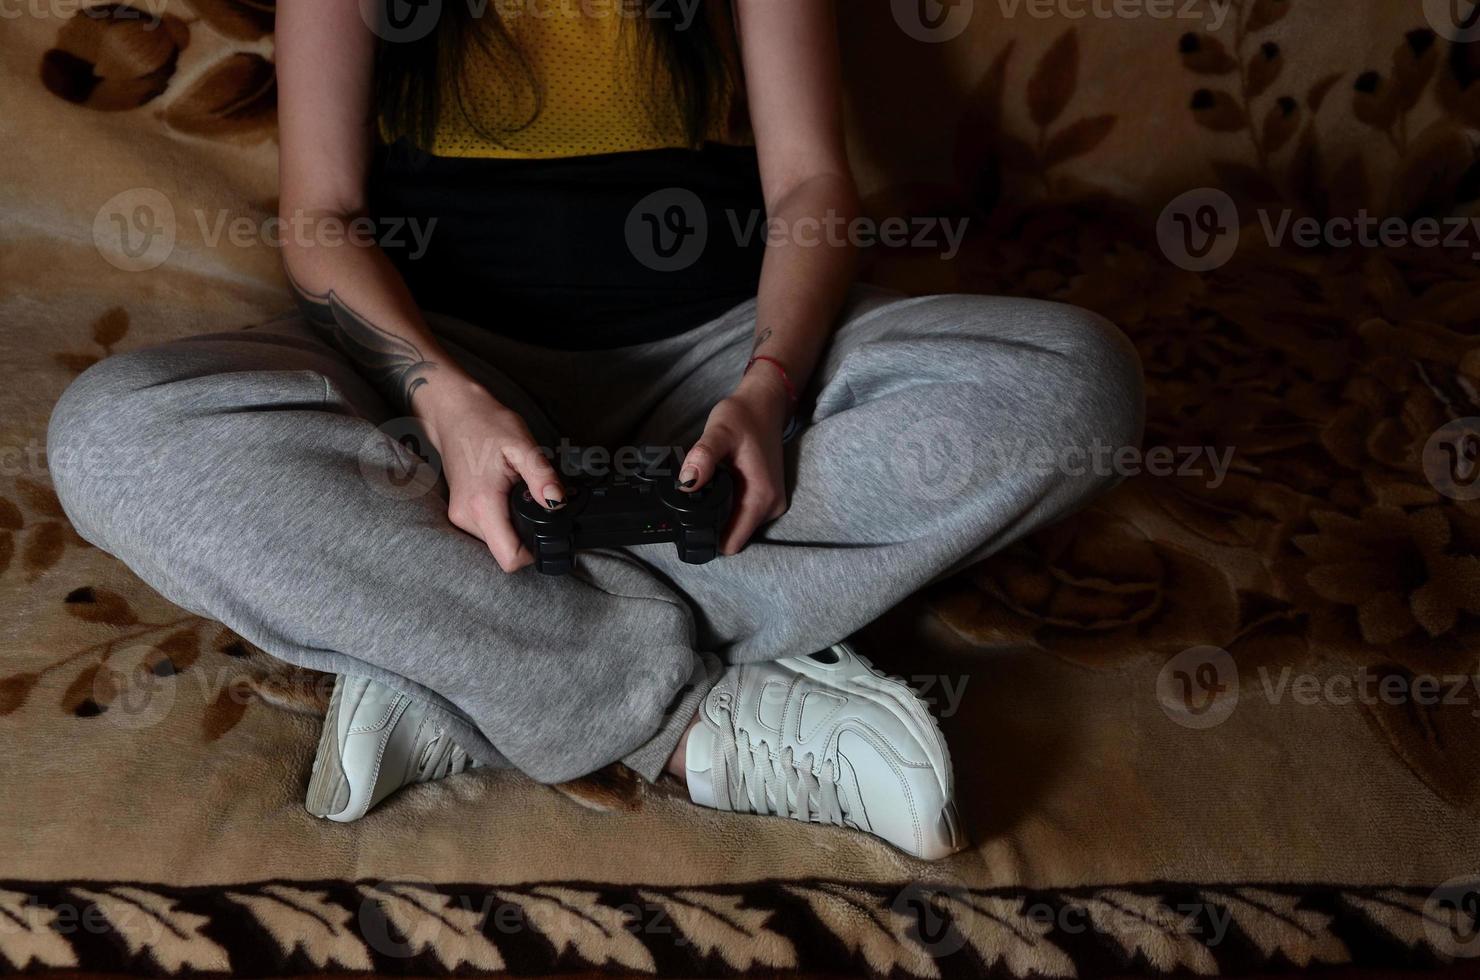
700,535
697,546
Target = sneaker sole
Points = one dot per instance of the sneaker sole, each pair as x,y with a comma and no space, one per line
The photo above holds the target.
916,711
328,786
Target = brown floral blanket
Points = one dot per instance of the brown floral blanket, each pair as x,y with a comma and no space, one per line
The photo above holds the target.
1227,720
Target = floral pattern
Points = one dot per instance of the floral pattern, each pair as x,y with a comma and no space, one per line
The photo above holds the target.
1326,547
120,57
921,931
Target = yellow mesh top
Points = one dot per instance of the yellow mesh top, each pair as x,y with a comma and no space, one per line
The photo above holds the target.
595,94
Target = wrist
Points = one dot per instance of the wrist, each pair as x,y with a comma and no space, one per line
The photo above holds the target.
450,397
766,392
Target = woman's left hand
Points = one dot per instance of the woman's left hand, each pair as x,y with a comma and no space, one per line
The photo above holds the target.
745,431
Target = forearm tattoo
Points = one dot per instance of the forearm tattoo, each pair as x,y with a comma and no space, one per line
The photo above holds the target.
393,364
760,339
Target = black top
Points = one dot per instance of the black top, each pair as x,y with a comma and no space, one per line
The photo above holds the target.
577,253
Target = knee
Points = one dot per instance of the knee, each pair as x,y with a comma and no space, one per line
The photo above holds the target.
98,437
1080,370
1100,376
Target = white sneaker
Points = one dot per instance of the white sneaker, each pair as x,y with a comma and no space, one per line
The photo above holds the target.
826,739
375,741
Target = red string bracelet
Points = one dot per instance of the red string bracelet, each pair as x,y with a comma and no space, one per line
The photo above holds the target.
791,389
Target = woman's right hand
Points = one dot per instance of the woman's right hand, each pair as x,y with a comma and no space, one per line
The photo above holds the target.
486,450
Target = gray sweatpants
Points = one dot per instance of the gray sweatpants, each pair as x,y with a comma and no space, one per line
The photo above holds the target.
243,476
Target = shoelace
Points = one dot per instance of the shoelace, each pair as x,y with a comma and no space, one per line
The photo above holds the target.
441,757
780,785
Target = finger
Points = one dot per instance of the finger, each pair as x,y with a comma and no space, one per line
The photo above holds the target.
537,473
757,500
503,541
507,549
522,559
782,505
463,519
748,516
702,460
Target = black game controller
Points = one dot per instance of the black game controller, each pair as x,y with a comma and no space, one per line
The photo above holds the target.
621,509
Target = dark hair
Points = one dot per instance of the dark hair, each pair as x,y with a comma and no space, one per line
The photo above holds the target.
691,64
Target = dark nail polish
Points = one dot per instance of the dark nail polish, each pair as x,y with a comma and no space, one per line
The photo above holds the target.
553,503
689,482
